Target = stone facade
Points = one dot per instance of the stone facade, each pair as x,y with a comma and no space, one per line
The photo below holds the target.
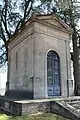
27,69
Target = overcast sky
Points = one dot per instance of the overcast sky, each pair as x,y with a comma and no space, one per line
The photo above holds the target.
3,79
1,2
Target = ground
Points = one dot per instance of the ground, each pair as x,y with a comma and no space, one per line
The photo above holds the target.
47,116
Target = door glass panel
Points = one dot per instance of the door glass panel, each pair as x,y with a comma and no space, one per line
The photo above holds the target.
56,65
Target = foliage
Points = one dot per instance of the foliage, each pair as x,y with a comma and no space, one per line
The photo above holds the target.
13,14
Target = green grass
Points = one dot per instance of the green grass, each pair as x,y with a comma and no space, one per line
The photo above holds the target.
47,116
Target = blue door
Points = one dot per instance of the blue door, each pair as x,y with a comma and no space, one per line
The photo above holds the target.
53,74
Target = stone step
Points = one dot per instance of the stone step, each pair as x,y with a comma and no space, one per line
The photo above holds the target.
72,106
64,110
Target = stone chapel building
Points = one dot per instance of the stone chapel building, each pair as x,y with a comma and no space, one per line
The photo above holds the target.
39,59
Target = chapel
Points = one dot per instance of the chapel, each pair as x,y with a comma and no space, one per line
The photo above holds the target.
39,59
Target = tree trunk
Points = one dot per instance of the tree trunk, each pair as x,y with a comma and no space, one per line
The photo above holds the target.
76,64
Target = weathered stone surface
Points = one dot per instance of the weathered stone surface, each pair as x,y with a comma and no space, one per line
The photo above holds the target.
32,108
63,111
10,107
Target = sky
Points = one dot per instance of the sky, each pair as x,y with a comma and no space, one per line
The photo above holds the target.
1,2
3,75
3,79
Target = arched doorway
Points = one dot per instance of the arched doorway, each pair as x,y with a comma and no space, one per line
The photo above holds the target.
53,74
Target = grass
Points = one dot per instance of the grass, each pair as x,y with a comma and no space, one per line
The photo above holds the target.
47,116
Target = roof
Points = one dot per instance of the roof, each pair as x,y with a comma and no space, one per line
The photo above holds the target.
45,18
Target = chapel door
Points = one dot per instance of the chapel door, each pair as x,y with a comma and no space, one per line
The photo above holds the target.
53,74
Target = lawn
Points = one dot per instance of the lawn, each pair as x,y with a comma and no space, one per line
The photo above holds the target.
47,116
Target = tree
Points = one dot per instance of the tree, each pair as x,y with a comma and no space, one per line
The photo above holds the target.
13,14
69,11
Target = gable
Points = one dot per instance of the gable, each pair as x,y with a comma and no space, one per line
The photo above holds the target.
53,21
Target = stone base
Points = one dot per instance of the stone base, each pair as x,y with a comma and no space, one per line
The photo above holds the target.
22,107
10,107
65,107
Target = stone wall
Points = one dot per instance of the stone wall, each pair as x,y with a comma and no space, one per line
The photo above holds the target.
21,64
46,39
